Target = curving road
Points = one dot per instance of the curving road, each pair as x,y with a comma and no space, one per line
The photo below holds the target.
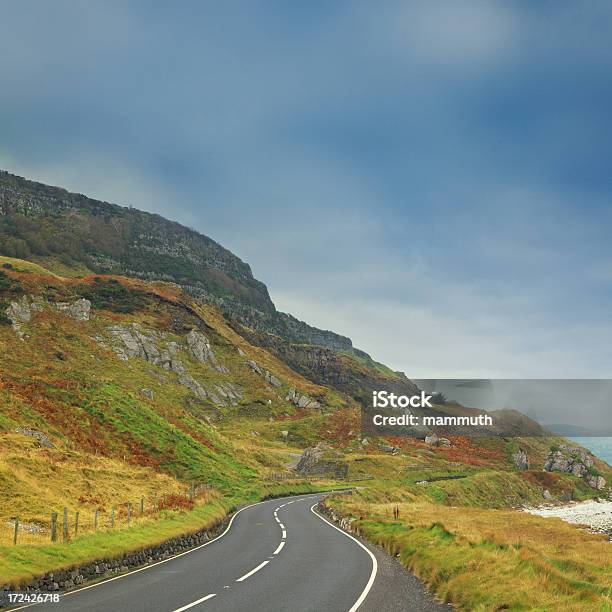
275,556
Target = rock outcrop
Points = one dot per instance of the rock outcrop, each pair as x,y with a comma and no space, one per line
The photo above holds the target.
596,481
20,312
574,461
133,341
79,310
521,460
41,438
265,374
199,348
301,401
322,460
435,440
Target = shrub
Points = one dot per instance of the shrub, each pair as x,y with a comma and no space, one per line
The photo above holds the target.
110,294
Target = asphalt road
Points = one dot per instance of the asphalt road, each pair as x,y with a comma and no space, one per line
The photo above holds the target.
275,556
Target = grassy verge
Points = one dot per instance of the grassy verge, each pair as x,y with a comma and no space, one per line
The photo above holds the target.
20,564
487,559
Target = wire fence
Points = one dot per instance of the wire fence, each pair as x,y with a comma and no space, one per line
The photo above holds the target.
67,524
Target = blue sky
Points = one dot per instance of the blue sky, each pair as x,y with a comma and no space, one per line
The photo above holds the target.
432,179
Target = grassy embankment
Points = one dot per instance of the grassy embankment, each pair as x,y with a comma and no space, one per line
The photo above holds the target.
465,537
114,445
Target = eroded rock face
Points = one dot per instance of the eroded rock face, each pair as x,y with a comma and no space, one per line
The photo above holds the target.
521,460
152,346
574,461
322,459
133,341
20,312
265,374
79,310
199,347
301,401
597,482
570,460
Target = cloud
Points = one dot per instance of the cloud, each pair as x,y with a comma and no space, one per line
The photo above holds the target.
457,34
429,179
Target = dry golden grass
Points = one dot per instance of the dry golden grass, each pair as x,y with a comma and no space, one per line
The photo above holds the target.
34,482
484,559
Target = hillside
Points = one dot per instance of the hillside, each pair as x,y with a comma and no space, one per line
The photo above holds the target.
72,234
120,388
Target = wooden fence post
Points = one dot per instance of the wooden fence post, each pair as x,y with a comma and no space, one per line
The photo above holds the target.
96,519
65,525
16,530
142,505
76,523
113,518
54,526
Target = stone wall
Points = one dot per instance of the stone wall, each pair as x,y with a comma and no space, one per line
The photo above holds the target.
64,580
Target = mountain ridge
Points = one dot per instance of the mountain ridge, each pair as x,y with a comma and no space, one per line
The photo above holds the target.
144,245
68,231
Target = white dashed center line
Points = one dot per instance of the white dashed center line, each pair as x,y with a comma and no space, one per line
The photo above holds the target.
263,564
284,535
280,547
195,603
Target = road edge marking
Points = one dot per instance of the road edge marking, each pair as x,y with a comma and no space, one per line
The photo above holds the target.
370,582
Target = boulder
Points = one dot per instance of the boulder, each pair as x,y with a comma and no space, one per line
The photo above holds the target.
301,401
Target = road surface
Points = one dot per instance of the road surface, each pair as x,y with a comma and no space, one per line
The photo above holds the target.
275,556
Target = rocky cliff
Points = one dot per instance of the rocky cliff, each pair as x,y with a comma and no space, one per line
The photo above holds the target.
54,227
49,224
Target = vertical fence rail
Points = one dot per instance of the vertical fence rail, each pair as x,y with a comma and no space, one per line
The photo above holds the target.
26,531
54,526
